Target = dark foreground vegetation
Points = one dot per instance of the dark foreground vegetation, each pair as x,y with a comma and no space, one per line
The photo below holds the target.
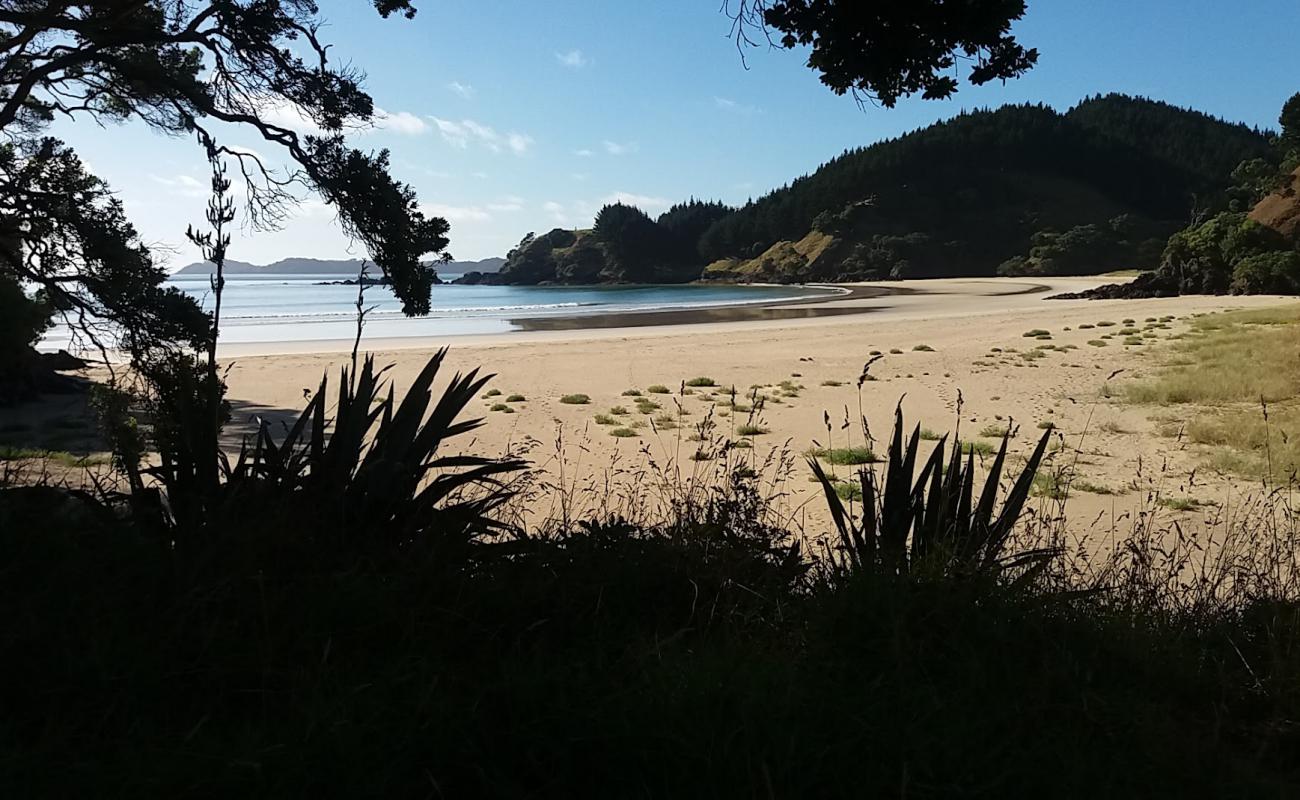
354,619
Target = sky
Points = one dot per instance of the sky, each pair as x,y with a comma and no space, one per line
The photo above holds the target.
509,117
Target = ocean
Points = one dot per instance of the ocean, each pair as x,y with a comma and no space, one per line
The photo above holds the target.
298,308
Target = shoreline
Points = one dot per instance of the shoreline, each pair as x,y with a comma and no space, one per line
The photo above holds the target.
913,298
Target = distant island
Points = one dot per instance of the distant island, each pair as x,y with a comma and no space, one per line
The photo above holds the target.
1018,190
316,266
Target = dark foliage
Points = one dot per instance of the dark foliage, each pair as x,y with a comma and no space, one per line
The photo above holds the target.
1121,243
883,51
318,652
623,246
933,525
980,185
181,68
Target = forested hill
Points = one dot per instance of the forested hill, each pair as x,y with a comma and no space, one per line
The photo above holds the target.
1023,189
963,196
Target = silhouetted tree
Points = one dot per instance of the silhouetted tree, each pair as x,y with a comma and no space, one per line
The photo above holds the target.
1290,122
632,241
883,50
183,67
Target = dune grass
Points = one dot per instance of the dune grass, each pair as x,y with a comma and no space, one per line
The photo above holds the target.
845,456
750,429
1049,485
1180,503
982,449
1236,375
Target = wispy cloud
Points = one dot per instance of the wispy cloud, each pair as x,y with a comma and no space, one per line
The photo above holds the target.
456,213
519,143
461,134
573,59
507,203
735,107
582,153
556,212
183,185
403,122
287,115
463,89
644,202
620,148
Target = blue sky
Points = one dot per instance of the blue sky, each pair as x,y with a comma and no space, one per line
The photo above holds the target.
509,117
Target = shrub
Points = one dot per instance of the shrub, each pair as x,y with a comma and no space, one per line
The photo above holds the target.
923,348
658,388
1036,333
914,525
698,382
1267,273
631,392
750,429
499,407
575,399
623,433
516,398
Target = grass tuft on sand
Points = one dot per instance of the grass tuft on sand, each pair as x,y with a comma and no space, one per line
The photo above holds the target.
846,456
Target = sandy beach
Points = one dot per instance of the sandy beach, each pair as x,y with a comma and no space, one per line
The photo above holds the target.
973,329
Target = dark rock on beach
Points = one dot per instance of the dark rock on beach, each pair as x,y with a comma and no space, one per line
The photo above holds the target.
1148,284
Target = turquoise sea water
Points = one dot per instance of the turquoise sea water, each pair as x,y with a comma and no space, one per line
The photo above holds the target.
295,308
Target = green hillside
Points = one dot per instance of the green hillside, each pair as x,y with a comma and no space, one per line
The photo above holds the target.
1023,189
963,196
